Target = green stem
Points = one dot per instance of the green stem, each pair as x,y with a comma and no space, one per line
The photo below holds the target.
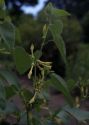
26,106
35,74
44,38
27,112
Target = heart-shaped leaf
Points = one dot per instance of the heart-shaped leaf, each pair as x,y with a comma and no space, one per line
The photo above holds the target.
23,60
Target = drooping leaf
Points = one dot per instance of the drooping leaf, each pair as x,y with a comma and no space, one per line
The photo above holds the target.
60,85
7,33
23,60
56,30
77,113
10,77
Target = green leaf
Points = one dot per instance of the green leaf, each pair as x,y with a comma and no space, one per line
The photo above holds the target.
53,13
64,116
2,90
56,30
7,33
48,8
27,94
18,36
71,84
10,91
59,12
37,54
60,85
56,27
77,113
10,77
23,60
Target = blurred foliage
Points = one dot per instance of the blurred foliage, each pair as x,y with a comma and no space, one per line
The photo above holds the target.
85,24
72,34
80,66
30,31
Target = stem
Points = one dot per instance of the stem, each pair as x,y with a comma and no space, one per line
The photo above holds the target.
27,112
35,74
26,106
29,115
44,38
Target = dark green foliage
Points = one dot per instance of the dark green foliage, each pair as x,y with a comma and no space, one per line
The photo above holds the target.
72,34
36,99
85,24
79,69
